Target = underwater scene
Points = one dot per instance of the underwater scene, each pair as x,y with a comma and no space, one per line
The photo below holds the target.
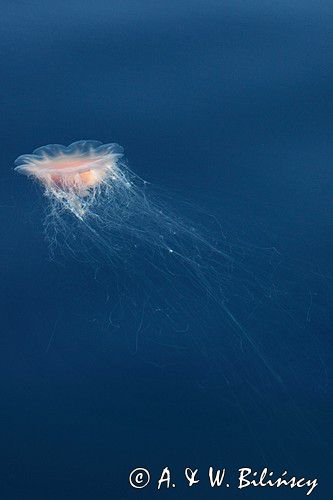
166,250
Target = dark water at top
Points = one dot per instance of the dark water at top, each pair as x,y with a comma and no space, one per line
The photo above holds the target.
227,104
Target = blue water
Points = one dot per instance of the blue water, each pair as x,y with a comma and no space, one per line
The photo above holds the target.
227,104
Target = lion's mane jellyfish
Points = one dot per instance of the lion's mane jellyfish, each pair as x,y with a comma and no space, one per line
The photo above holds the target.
92,181
100,209
167,268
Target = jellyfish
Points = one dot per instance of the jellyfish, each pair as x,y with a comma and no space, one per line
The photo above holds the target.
92,182
100,210
173,268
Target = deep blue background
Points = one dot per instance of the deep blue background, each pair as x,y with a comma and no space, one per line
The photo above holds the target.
228,104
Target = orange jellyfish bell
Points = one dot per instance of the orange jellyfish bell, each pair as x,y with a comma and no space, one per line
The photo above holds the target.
80,166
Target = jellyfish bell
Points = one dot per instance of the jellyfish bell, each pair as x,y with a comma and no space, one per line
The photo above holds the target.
72,174
80,165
